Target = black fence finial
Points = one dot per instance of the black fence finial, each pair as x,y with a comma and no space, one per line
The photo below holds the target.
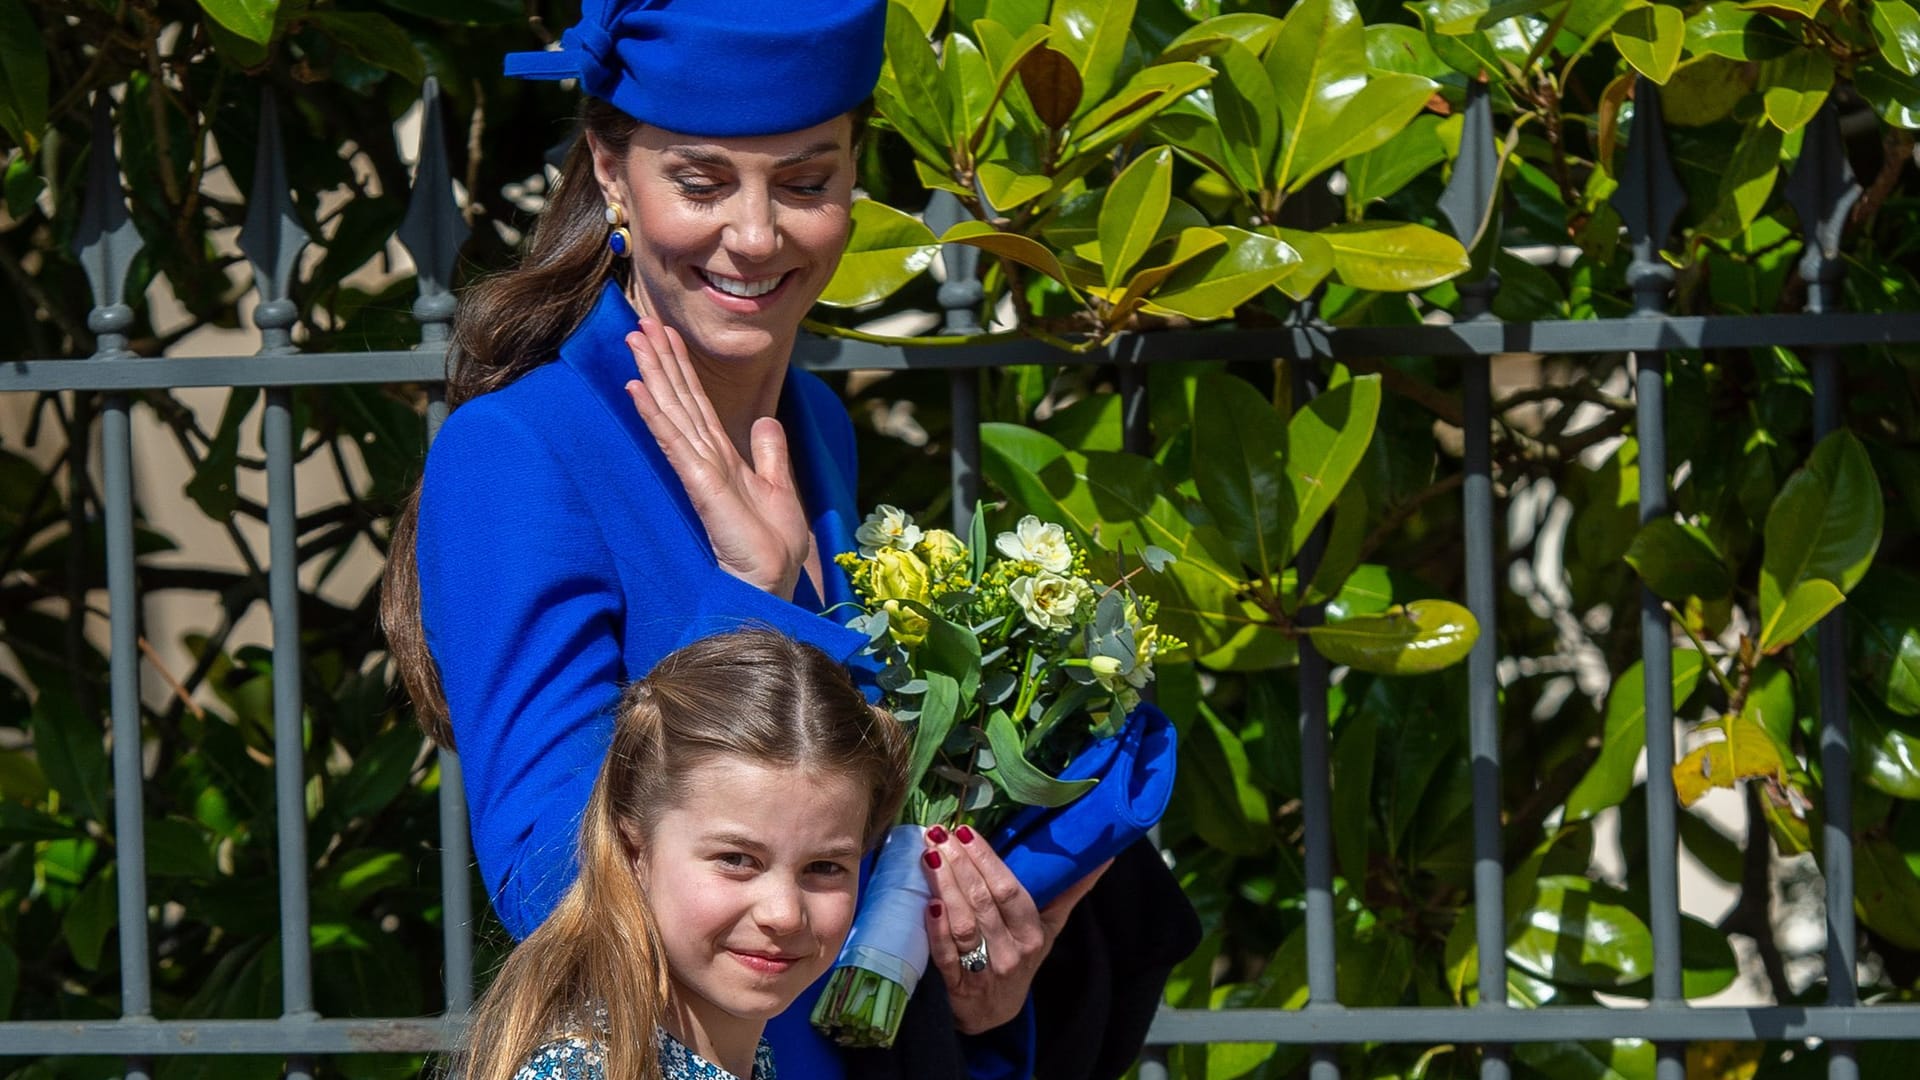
107,240
271,238
434,228
1649,199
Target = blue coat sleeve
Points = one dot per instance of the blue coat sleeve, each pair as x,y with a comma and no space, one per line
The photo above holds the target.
522,610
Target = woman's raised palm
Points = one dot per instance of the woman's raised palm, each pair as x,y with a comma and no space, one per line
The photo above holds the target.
751,509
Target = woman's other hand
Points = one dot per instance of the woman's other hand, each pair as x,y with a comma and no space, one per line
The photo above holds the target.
751,510
977,899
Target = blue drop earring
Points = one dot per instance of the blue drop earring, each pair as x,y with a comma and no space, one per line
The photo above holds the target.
619,240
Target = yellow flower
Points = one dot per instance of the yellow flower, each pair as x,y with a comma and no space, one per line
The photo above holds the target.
1042,543
898,575
887,527
940,547
905,625
1048,600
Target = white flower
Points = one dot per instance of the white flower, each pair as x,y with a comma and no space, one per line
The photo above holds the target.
1049,600
886,527
1104,666
1041,543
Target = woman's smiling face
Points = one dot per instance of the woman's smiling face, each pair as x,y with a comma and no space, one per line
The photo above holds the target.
733,239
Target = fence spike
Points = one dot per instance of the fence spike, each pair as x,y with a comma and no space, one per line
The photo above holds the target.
1822,191
272,237
433,229
106,241
1650,198
961,293
1472,193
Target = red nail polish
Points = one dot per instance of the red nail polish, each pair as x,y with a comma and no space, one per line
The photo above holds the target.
965,834
938,835
933,860
935,909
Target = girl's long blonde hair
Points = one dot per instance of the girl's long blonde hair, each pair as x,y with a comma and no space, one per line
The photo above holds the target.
595,969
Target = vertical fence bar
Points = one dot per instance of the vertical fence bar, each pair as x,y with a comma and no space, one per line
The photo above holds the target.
432,233
1649,199
960,297
1470,204
1316,795
1823,190
271,240
106,243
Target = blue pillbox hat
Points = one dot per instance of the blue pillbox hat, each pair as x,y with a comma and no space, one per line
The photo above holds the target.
720,68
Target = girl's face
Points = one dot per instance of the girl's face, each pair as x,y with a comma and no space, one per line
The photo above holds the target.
752,881
733,239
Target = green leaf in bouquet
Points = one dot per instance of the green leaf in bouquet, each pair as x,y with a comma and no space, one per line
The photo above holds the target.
885,249
937,712
1131,213
1325,441
1423,636
950,649
1157,558
1821,533
1013,774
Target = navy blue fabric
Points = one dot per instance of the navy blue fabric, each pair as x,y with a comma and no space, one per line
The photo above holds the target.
559,558
1049,849
721,67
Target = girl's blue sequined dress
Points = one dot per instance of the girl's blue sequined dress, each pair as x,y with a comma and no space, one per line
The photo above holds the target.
576,1058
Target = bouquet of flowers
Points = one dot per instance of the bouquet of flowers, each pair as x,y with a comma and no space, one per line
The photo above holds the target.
1020,676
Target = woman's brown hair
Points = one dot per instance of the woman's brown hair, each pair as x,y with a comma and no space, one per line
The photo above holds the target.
509,324
595,969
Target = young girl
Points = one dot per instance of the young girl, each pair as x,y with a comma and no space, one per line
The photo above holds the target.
719,862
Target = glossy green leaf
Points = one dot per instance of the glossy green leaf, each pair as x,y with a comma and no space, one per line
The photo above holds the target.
1821,533
1886,893
1893,94
1805,9
1624,735
250,19
1575,932
1007,188
1746,182
885,250
970,89
1794,87
1326,439
1621,1059
1454,17
1331,581
1423,636
1013,774
1886,748
70,748
1650,39
1093,34
1162,261
179,848
1131,213
1727,29
1366,121
1353,754
1004,54
373,39
1248,114
1887,631
1317,64
1393,256
23,75
1212,285
94,911
214,485
912,78
1770,701
1316,260
1240,469
1384,170
1251,29
1229,808
1678,561
1020,249
1132,106
1896,26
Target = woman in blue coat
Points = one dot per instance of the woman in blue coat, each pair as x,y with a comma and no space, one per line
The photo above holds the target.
575,523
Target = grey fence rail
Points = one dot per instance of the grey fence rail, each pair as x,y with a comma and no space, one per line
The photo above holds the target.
1822,189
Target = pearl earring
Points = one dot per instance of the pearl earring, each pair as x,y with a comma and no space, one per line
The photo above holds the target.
619,240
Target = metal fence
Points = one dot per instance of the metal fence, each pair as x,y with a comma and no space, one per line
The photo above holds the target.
1822,189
